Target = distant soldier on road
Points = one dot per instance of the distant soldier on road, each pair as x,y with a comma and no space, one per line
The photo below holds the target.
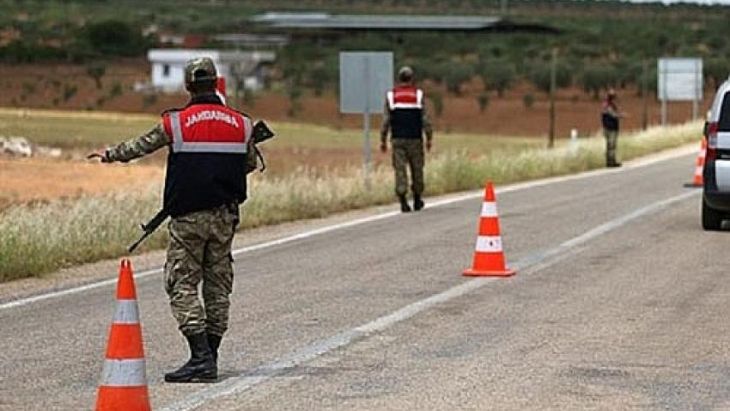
610,116
205,183
406,119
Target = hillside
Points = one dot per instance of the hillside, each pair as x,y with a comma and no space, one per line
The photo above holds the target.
101,46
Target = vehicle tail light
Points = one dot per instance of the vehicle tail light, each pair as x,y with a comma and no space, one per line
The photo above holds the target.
711,154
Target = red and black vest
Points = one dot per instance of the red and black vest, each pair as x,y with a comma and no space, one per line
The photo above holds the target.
608,118
207,160
405,104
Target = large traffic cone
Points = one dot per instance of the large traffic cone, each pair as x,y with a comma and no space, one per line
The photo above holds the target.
123,385
489,256
700,164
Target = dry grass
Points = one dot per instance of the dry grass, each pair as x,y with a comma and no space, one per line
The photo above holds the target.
40,238
74,129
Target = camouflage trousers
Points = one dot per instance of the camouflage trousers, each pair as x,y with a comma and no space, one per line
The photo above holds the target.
200,252
408,153
611,143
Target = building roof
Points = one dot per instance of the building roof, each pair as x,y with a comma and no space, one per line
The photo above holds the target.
375,22
183,55
253,40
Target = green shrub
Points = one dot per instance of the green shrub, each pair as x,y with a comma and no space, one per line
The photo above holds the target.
596,78
149,100
69,90
458,74
716,70
483,101
528,100
96,71
115,38
116,90
295,104
498,75
540,76
437,100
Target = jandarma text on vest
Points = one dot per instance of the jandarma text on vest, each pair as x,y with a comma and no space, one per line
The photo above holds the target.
212,115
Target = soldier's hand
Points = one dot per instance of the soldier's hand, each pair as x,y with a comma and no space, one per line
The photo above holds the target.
383,147
100,155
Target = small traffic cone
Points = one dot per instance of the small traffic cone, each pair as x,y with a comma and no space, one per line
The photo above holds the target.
123,385
700,164
489,256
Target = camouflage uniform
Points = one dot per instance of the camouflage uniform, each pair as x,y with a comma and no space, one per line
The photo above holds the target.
199,250
407,153
211,150
610,121
611,144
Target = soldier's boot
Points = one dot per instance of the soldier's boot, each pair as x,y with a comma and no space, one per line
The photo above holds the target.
612,163
201,366
404,207
214,341
417,202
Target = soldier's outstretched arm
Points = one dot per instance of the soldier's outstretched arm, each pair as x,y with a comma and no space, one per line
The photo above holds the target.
137,147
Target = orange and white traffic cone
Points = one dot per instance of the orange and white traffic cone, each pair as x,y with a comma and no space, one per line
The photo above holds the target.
123,385
700,164
489,256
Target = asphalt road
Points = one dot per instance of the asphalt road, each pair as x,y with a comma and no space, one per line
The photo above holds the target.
620,302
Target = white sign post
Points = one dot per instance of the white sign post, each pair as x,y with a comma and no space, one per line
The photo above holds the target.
365,77
679,79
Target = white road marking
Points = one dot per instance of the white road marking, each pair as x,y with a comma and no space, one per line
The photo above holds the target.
307,353
311,233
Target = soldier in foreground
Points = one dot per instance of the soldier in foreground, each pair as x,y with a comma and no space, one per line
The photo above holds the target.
210,148
610,116
406,119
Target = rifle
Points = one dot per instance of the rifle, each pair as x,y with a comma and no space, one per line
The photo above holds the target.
150,227
261,132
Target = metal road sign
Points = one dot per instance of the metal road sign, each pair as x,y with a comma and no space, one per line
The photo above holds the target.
365,77
679,79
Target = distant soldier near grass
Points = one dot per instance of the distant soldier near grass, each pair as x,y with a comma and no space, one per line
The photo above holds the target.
209,156
610,118
407,121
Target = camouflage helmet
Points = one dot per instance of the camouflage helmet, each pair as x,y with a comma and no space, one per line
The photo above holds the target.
198,70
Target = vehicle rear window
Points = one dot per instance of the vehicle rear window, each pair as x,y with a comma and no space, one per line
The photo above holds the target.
724,123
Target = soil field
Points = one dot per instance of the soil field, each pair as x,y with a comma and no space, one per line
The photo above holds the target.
38,179
69,87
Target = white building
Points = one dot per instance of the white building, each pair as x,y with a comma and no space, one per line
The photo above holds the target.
249,66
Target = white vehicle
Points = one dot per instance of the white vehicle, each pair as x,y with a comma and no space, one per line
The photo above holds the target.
716,174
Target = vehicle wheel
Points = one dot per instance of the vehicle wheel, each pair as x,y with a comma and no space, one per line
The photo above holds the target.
711,218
